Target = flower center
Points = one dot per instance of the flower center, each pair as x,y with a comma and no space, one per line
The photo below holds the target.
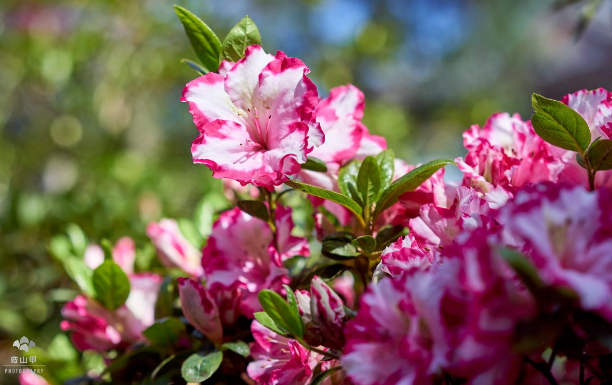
257,130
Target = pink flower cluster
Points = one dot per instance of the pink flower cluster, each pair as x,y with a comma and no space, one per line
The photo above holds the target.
458,300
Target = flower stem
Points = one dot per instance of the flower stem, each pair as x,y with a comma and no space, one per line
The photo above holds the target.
542,367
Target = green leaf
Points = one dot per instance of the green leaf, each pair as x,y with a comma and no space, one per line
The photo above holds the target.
239,347
326,194
263,318
560,125
165,332
388,235
257,209
524,268
281,312
203,40
190,232
386,164
77,238
367,243
339,246
318,380
111,285
194,66
580,160
242,35
200,366
408,182
368,182
347,180
599,155
80,273
107,247
165,298
314,164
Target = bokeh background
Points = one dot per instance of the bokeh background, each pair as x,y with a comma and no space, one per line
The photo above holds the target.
92,131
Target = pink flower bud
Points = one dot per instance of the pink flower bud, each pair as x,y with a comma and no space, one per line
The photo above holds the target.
200,309
327,311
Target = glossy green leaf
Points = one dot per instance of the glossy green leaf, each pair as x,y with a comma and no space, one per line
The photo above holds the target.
314,164
281,312
203,40
339,246
80,273
107,247
560,125
256,209
199,69
408,182
77,238
367,243
344,200
318,380
386,165
524,268
263,318
347,180
242,35
599,155
111,285
580,160
368,182
388,234
165,332
190,232
239,347
201,366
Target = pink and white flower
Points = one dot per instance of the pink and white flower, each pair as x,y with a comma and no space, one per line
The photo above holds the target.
506,154
242,253
95,328
457,317
173,249
596,108
567,233
200,309
327,313
279,360
256,120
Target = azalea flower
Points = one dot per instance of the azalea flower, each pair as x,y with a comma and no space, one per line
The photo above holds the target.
596,108
242,253
95,328
505,155
255,119
457,317
567,233
279,360
173,249
346,139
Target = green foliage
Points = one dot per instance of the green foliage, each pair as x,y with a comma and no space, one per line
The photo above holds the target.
314,164
242,35
408,182
368,182
386,165
165,298
285,315
238,347
111,285
201,366
560,125
264,318
366,243
165,333
344,200
599,155
318,380
203,40
339,246
257,209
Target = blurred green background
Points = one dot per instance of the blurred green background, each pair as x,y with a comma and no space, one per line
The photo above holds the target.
92,131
